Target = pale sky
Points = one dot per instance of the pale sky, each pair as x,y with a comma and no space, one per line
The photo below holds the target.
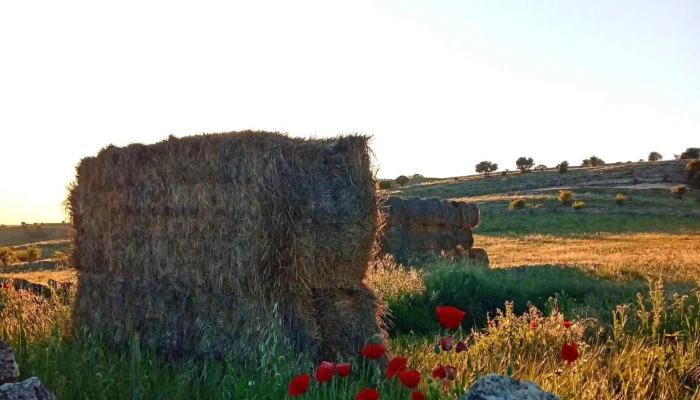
441,85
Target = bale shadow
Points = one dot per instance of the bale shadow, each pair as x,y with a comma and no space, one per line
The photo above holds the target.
481,291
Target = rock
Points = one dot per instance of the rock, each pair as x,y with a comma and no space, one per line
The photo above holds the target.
501,387
31,389
9,371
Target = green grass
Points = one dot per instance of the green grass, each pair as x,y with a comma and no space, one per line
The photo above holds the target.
570,223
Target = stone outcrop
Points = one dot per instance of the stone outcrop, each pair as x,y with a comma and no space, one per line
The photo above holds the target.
501,387
30,389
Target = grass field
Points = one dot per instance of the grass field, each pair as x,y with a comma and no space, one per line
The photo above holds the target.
626,276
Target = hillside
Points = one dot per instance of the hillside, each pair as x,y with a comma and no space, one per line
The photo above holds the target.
19,235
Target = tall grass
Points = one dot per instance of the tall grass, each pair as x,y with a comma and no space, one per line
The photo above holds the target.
635,341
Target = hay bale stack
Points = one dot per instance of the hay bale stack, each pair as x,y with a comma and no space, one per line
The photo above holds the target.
192,242
417,226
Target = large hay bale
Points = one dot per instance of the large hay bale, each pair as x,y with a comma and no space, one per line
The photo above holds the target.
416,226
191,242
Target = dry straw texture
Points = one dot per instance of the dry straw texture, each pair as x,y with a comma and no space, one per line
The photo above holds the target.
192,241
418,226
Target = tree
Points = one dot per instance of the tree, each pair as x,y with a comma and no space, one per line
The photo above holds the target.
541,167
563,167
525,164
402,180
655,156
593,161
693,171
486,168
690,152
417,176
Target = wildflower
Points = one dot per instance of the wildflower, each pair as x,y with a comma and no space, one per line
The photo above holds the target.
6,286
446,343
299,385
396,365
450,372
449,317
567,324
367,394
324,372
461,346
343,369
410,379
533,324
373,351
416,395
569,352
490,323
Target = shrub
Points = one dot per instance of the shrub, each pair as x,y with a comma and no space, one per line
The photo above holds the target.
620,198
402,180
538,206
655,156
417,176
679,191
693,171
504,173
61,258
579,205
690,152
385,184
486,168
7,256
563,167
517,204
524,164
565,197
541,167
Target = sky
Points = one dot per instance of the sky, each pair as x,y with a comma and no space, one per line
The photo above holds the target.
439,85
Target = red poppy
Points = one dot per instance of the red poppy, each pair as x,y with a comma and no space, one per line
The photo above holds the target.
373,351
461,346
439,372
6,286
416,395
396,365
324,372
569,352
491,324
299,384
367,394
533,324
343,369
410,379
449,317
446,343
567,324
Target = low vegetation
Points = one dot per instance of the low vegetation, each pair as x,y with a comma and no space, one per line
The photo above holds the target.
517,204
679,191
566,197
620,199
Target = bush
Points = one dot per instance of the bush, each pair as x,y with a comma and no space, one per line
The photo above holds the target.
693,171
563,167
7,256
538,206
541,167
524,164
417,176
620,198
402,180
565,197
679,191
385,184
655,156
517,204
579,205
